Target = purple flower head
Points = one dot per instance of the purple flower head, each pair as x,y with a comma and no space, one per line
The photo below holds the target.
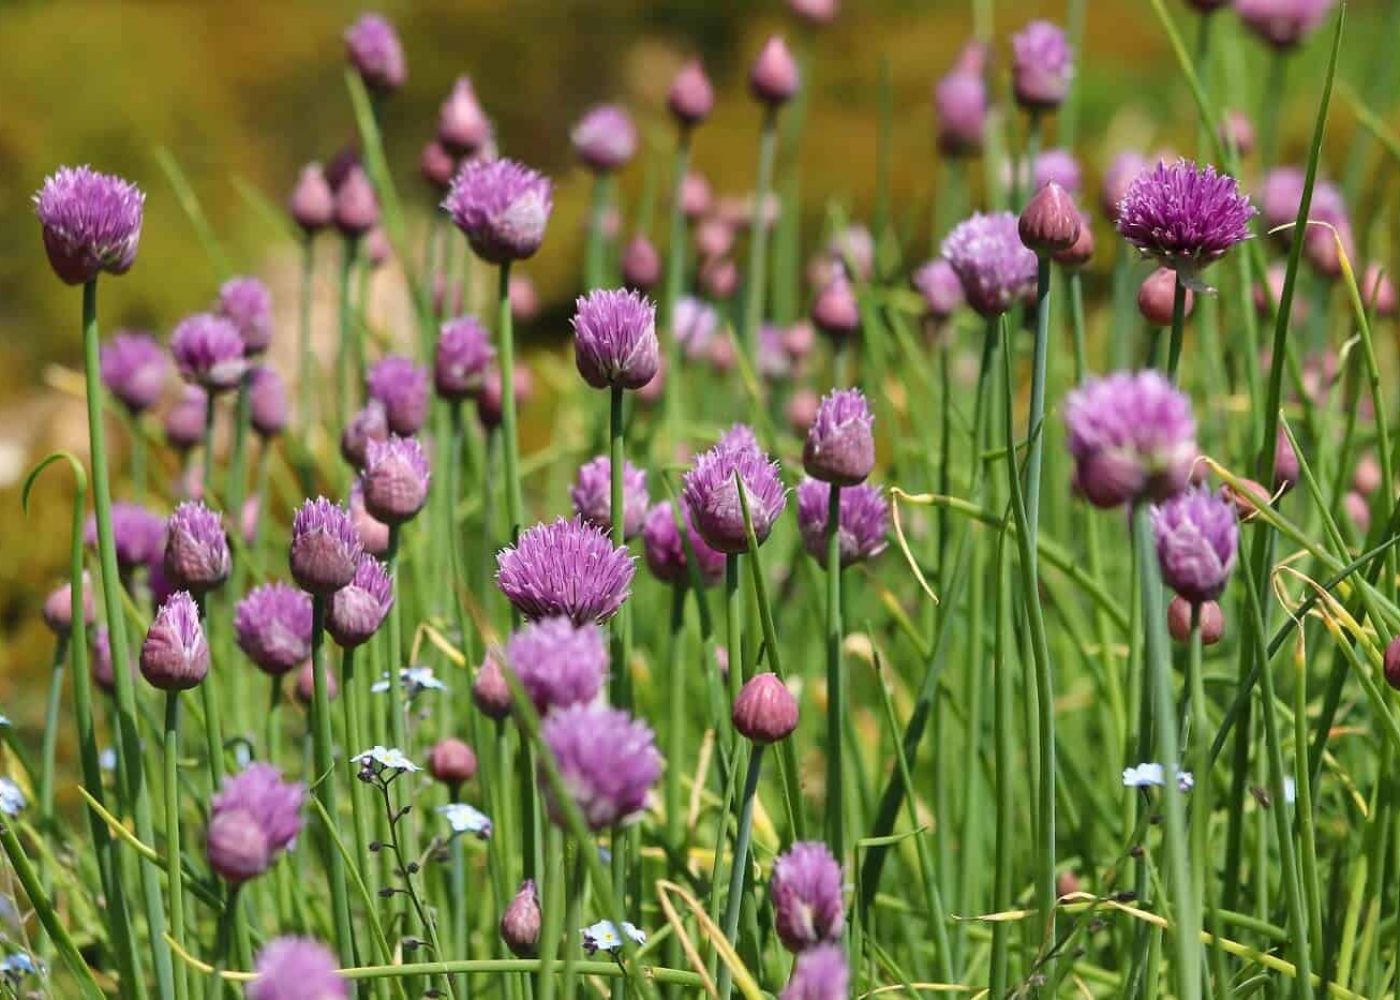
820,973
395,479
694,326
437,166
835,310
567,568
559,663
641,264
819,12
463,127
861,531
358,609
137,531
58,607
711,495
293,968
1197,534
1132,437
1183,215
254,818
196,548
765,711
134,368
806,892
175,654
247,304
273,627
1051,222
739,437
464,353
325,548
502,207
692,96
374,534
1058,166
605,138
373,48
312,202
1042,65
987,255
208,352
840,444
184,421
774,78
607,759
91,222
592,495
1117,178
356,204
490,690
666,550
520,923
960,104
941,288
1283,23
370,423
267,401
615,343
401,387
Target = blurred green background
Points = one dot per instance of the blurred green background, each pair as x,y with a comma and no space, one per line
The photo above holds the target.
244,92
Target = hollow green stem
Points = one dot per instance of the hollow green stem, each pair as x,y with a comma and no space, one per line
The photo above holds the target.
349,359
835,681
740,865
326,786
174,874
506,349
595,261
1178,328
756,282
675,288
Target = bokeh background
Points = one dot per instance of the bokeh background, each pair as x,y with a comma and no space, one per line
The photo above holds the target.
241,93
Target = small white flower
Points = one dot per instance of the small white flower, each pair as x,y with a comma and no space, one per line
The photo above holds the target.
603,936
12,800
107,759
1290,790
5,722
18,964
464,818
1150,774
415,681
390,757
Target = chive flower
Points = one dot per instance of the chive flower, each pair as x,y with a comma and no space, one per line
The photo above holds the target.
995,268
209,352
272,625
711,493
592,495
134,369
615,343
295,968
91,223
806,892
607,759
253,819
863,526
175,653
502,207
1184,215
567,568
558,663
1198,535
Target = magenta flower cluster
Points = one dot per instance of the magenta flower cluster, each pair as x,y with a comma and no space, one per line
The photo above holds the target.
1184,215
567,568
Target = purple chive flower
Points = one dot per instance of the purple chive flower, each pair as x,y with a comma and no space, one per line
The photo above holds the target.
559,663
840,445
820,973
395,479
1058,166
1132,437
1117,178
605,138
374,534
267,401
1042,66
607,759
502,207
666,550
615,343
490,690
819,12
864,522
247,304
938,283
463,127
184,421
692,96
312,202
138,533
175,654
520,923
437,166
273,627
91,222
1183,215
960,103
58,607
765,711
1198,535
373,48
835,310
695,325
401,387
1051,222
356,610
774,78
196,548
325,548
1284,24
806,892
995,268
293,968
134,369
464,353
592,495
641,264
567,568
369,424
208,352
356,204
254,818
712,496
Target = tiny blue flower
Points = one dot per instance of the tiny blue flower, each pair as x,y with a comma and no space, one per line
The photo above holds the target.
1150,774
12,800
415,681
464,818
389,757
603,936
